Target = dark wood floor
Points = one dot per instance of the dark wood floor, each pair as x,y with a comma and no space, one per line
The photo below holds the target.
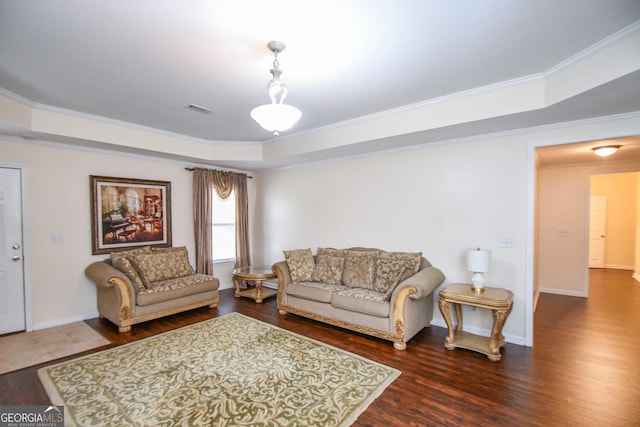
583,370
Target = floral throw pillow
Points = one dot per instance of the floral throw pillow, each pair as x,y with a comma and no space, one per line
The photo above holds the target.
360,269
330,252
394,267
161,266
300,263
406,273
125,266
328,269
120,261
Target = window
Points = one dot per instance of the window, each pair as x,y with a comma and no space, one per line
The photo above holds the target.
224,228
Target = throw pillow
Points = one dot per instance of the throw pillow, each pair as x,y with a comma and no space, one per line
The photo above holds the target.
391,265
330,252
328,269
406,273
169,249
125,266
360,269
393,268
141,250
161,266
119,260
300,263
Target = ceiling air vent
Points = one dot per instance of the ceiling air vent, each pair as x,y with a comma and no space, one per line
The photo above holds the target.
200,109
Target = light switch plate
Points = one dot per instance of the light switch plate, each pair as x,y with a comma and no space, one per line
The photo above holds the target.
506,242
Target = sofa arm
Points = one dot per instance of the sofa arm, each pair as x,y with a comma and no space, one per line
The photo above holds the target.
282,270
424,281
109,278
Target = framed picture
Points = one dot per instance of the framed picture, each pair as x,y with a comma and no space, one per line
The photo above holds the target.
127,212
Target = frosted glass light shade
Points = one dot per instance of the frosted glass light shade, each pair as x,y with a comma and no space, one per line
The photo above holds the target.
478,261
606,151
276,117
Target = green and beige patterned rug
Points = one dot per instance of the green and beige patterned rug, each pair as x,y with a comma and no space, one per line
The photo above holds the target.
228,371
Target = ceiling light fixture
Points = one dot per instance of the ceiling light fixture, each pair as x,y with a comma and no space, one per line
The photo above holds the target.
276,117
606,150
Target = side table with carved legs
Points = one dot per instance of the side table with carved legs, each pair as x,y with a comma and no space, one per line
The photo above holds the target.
256,275
499,301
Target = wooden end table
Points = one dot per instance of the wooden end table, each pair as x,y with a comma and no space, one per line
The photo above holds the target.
499,301
257,275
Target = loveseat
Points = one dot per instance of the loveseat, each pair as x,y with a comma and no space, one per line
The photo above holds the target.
388,295
143,284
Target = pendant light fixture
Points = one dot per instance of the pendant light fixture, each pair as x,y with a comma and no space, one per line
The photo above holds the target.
277,116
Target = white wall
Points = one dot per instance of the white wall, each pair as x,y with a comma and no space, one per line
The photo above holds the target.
58,203
440,200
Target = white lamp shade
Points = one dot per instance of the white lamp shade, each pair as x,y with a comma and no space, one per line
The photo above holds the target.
276,117
478,260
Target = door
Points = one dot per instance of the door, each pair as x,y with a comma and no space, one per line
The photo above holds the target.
597,221
12,299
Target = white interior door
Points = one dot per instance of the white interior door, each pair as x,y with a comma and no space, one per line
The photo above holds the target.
597,221
12,295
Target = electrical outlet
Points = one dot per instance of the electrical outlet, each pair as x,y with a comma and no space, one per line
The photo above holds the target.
506,242
57,239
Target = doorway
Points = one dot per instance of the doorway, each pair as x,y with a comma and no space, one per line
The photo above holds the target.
597,229
560,192
613,220
12,273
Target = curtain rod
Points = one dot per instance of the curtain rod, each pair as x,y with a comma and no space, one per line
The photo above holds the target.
191,170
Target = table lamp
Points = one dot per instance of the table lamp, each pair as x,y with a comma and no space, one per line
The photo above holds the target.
478,261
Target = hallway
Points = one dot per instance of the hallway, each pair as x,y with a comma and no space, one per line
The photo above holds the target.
594,346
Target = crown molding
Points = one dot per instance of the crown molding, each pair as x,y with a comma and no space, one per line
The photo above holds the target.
595,48
114,122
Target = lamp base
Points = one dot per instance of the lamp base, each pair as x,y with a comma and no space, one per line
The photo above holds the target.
477,282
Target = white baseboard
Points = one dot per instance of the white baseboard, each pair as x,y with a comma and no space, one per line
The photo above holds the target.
269,284
636,276
93,315
563,292
619,267
65,321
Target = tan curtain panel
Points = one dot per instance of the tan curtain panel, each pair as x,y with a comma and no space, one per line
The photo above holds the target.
243,258
203,185
204,182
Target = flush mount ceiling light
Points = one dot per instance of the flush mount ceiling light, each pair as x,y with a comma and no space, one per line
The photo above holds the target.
276,117
605,150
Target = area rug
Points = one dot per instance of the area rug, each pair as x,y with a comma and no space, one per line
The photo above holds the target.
26,349
229,371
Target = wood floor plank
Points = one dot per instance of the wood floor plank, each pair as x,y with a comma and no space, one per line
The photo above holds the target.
583,368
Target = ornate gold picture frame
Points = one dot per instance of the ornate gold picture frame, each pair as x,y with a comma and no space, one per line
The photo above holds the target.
128,212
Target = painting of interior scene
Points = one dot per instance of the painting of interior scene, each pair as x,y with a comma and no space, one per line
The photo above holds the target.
131,214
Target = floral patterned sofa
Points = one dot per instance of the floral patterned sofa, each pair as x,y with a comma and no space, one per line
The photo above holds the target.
388,295
144,284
